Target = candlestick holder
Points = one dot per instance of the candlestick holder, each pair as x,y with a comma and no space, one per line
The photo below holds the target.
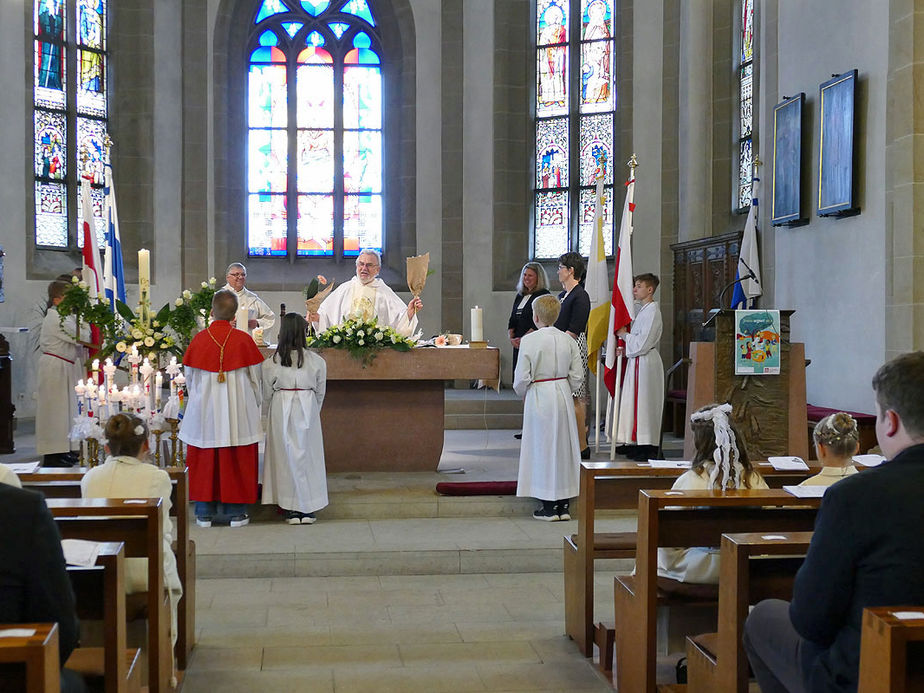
157,458
82,460
92,452
177,458
477,345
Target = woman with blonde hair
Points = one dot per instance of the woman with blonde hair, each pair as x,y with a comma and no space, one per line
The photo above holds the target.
836,442
533,283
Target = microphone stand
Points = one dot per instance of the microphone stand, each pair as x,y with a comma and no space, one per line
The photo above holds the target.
750,275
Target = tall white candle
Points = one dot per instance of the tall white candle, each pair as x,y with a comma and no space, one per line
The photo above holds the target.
242,319
144,268
158,387
477,324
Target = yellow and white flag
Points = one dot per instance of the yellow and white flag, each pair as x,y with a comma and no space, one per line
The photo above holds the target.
597,284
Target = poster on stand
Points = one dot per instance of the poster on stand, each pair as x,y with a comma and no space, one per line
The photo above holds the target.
757,342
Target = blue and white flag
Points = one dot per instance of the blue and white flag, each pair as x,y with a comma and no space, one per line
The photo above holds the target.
749,288
113,272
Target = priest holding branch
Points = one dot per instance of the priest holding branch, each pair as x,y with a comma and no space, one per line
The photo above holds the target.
221,427
366,296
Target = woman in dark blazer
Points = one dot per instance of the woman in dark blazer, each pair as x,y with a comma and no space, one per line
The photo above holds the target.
533,282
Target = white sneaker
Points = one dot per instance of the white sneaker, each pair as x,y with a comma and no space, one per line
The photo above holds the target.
204,522
240,520
308,519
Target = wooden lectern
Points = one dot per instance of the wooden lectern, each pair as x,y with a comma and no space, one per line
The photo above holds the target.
768,410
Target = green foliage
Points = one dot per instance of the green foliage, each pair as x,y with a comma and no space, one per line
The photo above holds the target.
362,338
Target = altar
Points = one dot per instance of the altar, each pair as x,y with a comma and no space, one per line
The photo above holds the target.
388,416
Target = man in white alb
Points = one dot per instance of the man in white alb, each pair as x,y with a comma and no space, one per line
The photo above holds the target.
260,314
367,296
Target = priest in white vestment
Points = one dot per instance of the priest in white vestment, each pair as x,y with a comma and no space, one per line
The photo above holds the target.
549,368
366,296
60,366
642,399
260,314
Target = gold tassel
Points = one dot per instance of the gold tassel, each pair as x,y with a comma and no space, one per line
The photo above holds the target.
221,376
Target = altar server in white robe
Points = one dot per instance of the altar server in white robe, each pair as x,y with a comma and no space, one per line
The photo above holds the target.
60,366
549,369
642,398
366,296
260,314
294,382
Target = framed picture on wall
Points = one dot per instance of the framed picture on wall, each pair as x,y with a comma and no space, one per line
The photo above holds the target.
786,189
837,146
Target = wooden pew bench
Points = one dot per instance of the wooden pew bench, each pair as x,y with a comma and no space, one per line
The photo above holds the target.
30,663
682,519
755,566
136,523
615,486
65,483
100,595
891,651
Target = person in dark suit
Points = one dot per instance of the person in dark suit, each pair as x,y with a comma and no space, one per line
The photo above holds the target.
34,586
867,550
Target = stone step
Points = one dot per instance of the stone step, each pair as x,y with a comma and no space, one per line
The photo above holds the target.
459,422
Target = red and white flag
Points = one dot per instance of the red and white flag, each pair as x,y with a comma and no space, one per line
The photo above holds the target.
92,268
623,307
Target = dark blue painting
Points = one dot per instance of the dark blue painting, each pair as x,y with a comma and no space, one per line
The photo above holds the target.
786,191
837,149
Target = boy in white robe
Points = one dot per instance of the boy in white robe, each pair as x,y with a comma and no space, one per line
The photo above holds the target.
60,366
642,399
366,296
549,369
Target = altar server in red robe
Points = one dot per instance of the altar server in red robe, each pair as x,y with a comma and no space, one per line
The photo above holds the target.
221,426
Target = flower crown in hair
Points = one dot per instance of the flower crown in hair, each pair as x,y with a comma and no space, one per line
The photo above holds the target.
726,455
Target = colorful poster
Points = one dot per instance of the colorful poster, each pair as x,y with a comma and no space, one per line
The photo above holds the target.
757,342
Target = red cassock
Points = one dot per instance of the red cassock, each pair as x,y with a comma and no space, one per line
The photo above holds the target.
221,426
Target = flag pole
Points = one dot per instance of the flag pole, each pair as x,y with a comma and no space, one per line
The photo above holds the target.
597,409
616,398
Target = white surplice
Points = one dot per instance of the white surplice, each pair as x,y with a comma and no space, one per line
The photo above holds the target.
129,477
294,475
374,299
643,386
550,456
222,415
60,366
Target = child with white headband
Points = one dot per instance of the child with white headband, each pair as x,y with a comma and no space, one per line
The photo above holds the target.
127,473
719,462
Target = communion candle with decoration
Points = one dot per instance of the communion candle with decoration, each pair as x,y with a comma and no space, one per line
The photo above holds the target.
144,268
80,389
242,319
158,388
477,324
95,370
109,369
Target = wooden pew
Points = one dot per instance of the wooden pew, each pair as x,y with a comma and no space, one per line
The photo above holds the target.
136,523
891,651
615,486
100,593
61,482
31,660
755,566
680,519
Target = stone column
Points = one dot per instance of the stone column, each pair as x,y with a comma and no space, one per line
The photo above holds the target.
695,132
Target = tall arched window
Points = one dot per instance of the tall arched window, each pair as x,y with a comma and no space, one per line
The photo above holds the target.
575,111
746,84
314,124
70,116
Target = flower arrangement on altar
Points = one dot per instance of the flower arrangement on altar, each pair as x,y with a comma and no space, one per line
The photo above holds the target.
363,338
169,331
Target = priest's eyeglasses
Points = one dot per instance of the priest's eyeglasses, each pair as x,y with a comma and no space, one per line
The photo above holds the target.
237,274
370,265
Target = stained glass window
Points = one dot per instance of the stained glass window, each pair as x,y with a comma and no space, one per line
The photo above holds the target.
575,106
746,79
315,89
70,117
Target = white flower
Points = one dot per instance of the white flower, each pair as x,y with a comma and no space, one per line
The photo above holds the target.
82,285
212,281
394,340
361,343
75,280
158,335
104,300
187,294
336,339
164,345
137,334
179,302
349,333
378,336
205,285
120,347
150,330
149,341
360,333
156,324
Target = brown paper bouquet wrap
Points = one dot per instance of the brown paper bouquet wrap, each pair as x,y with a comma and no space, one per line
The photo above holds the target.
417,269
